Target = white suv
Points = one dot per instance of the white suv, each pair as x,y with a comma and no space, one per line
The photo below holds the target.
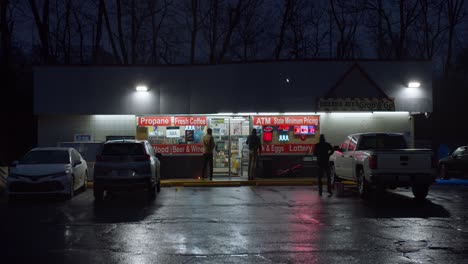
126,165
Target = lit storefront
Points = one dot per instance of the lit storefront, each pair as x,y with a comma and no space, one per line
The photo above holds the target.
289,104
181,135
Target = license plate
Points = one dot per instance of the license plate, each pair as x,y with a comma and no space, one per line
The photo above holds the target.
123,173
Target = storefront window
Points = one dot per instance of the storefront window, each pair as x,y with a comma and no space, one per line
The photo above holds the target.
287,134
182,135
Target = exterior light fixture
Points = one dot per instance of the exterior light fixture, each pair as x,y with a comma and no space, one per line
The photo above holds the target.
141,88
414,84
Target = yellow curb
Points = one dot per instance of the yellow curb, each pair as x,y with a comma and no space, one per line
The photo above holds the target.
212,184
192,183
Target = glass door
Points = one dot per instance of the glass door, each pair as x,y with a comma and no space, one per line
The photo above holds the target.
220,127
239,154
230,157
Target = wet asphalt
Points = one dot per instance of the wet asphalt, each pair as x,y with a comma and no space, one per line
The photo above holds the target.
238,225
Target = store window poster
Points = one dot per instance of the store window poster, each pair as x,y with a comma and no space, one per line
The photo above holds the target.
198,134
190,135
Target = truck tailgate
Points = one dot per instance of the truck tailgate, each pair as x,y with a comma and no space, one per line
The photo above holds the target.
406,160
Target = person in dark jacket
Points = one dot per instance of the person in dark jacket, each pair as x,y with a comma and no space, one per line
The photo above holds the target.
323,150
255,149
208,147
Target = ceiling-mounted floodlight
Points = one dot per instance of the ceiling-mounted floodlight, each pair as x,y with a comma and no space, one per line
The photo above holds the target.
141,88
414,84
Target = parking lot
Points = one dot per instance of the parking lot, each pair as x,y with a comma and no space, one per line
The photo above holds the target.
250,224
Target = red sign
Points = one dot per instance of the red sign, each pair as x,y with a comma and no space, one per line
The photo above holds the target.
287,148
179,149
154,121
172,121
189,120
285,120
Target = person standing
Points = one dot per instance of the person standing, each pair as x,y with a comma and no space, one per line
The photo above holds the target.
323,150
255,149
208,147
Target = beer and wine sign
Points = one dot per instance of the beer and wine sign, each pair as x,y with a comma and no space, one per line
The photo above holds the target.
302,127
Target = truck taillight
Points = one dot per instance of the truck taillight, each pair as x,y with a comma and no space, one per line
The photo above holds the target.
373,162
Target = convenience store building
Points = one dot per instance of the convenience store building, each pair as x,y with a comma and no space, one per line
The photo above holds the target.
290,103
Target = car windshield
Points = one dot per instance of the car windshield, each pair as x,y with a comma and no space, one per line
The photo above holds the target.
123,149
382,142
46,157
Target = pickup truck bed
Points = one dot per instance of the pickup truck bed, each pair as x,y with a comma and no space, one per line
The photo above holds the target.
359,160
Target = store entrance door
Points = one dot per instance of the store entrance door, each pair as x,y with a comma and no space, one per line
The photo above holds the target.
230,156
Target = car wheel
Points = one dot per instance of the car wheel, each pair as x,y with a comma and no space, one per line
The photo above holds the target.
443,172
152,192
420,191
98,194
333,177
85,181
158,186
363,185
71,192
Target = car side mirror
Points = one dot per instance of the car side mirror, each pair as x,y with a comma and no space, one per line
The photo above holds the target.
78,162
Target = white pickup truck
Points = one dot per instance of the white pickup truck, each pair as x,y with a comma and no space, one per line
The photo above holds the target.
383,160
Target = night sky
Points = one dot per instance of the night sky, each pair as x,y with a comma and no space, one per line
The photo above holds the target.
149,32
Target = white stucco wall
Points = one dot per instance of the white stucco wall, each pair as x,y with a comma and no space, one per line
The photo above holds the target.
60,128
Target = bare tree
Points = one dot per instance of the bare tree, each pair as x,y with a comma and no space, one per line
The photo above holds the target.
214,21
110,34
158,11
347,18
234,15
6,29
123,49
42,24
194,30
250,31
318,28
409,12
429,29
98,34
455,13
379,24
286,14
391,30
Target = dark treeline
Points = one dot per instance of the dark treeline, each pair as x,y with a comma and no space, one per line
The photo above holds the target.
138,32
219,31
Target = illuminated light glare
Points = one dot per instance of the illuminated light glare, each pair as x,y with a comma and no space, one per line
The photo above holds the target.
391,113
287,80
414,84
268,113
352,114
299,113
247,114
224,114
113,117
413,92
141,88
